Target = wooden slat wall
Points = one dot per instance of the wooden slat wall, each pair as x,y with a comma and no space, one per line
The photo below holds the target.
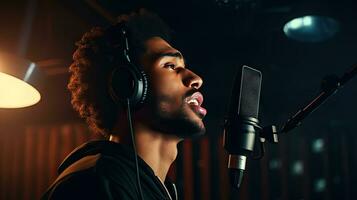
345,162
5,169
223,185
188,171
205,169
29,160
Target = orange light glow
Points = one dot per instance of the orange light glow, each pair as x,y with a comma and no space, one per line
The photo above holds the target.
15,93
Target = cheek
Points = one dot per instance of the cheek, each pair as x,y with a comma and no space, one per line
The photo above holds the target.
167,92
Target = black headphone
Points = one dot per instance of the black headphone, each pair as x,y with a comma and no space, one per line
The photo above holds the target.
127,81
127,84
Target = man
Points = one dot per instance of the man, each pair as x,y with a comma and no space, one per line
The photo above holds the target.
169,112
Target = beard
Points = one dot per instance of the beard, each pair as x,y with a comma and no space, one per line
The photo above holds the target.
174,122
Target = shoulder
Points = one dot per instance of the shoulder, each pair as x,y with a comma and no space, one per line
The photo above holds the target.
79,185
89,178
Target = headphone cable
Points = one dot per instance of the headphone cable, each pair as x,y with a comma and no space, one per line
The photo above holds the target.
134,148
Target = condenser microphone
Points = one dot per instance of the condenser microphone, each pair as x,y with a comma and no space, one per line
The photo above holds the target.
241,124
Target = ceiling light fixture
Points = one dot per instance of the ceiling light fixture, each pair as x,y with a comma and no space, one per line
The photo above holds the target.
311,28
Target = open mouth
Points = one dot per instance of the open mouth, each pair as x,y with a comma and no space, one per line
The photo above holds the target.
195,101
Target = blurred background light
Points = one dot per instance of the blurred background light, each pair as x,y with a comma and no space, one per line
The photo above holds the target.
318,145
297,168
274,164
311,28
320,185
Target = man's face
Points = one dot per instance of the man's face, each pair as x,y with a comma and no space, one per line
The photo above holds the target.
174,104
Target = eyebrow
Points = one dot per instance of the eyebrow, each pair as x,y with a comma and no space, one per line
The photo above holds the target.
176,54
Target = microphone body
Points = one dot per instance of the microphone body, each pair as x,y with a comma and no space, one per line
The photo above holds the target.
242,124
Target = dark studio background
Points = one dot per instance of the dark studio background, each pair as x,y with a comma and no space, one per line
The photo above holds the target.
315,161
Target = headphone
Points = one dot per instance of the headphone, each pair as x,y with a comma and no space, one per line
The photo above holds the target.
128,86
127,82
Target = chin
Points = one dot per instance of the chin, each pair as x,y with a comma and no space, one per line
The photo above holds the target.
190,126
183,125
186,129
198,128
182,122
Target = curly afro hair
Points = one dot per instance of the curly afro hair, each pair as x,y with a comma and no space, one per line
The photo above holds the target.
93,63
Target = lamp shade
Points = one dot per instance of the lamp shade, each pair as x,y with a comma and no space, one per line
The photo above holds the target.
18,80
313,21
311,28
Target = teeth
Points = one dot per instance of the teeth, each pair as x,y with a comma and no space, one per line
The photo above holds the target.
193,102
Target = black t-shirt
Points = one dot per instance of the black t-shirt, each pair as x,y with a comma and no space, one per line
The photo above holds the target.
106,170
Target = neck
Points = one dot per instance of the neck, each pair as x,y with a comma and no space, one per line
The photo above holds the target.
157,149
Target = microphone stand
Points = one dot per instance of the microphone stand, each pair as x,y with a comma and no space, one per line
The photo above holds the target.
330,85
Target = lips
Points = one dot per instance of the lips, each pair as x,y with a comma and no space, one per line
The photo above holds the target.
195,101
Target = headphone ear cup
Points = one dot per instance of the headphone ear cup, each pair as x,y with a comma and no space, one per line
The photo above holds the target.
128,83
142,91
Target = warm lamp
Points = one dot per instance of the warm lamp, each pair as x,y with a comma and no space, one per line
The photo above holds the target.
18,78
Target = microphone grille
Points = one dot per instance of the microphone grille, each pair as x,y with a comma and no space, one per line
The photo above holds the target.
249,92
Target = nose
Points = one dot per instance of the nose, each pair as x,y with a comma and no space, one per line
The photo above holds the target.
192,80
